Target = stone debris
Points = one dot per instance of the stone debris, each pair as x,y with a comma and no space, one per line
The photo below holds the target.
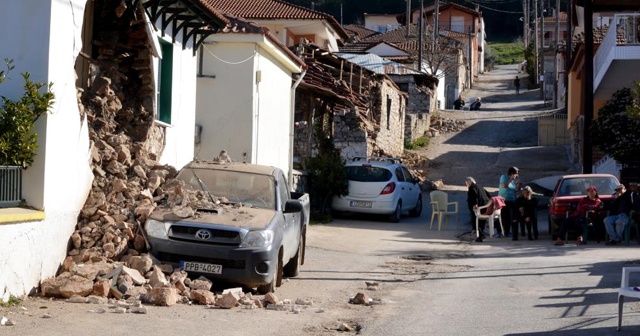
4,321
372,285
360,298
445,125
344,327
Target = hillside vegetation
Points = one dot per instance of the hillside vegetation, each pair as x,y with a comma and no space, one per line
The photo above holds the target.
506,53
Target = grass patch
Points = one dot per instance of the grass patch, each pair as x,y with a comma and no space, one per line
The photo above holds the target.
13,301
417,143
507,53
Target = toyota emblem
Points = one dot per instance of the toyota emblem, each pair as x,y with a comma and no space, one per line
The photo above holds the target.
203,234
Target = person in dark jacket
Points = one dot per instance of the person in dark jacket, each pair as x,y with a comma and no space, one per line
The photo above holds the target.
618,218
526,206
458,104
476,196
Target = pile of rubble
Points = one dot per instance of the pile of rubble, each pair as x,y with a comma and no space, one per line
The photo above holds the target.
445,125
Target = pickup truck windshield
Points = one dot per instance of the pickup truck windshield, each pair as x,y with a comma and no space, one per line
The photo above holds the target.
253,190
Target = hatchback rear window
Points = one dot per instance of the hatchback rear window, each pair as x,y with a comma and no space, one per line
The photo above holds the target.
368,174
578,186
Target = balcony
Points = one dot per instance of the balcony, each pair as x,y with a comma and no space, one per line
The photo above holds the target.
618,53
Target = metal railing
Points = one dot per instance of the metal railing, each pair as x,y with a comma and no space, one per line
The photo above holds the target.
10,186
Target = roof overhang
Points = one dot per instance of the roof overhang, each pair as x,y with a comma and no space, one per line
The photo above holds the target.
194,19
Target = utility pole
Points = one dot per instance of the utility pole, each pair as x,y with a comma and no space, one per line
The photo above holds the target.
587,93
421,36
555,53
470,59
525,23
542,93
341,13
535,34
436,25
408,21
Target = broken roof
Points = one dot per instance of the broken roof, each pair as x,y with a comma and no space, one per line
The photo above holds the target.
361,32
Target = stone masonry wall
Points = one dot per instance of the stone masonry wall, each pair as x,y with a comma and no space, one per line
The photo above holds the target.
349,135
416,125
388,137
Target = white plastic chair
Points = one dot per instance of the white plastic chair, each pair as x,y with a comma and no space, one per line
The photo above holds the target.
626,290
489,217
440,206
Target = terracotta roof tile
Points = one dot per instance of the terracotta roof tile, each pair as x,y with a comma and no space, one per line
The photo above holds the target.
273,10
359,31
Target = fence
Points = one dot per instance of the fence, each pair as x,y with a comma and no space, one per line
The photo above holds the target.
10,186
552,130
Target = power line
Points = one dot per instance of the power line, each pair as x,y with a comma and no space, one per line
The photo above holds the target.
493,9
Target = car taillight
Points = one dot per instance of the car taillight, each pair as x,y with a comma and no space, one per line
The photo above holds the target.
560,209
388,189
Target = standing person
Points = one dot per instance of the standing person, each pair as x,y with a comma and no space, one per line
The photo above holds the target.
527,206
618,218
458,104
516,83
507,188
476,196
578,218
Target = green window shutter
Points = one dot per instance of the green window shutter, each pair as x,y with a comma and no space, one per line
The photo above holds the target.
165,79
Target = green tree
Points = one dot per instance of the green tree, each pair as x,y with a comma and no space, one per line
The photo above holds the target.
18,142
615,131
530,57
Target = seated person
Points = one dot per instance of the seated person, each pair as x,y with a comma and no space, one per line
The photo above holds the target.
578,218
458,104
475,106
618,218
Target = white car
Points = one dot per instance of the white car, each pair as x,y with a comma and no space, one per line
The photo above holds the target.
380,185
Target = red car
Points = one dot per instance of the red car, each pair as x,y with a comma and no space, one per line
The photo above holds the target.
570,189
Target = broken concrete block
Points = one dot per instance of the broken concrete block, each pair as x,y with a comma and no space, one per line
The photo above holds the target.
76,285
227,301
139,310
203,297
157,277
271,298
237,290
135,275
162,296
141,263
201,283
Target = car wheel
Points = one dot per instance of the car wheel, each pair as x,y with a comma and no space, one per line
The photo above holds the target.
292,268
397,214
275,282
417,211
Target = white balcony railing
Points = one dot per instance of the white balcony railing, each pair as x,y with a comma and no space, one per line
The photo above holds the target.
624,32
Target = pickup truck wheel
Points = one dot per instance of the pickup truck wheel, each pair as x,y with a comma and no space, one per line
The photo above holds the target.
417,211
397,214
292,269
275,282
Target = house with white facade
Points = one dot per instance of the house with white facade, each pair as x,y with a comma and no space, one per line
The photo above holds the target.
245,93
286,21
124,83
381,23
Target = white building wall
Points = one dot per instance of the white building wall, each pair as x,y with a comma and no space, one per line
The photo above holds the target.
381,23
273,114
383,50
179,144
225,104
59,180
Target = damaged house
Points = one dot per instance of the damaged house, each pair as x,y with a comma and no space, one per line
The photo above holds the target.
360,111
124,79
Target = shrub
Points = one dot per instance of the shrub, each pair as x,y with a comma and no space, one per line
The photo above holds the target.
18,142
417,143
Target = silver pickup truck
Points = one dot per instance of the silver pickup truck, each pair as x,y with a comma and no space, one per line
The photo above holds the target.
254,235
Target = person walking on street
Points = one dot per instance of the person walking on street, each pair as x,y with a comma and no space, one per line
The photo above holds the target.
618,218
476,196
458,104
526,214
516,83
507,188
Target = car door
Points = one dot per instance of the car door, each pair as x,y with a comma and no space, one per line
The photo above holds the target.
403,188
413,189
291,229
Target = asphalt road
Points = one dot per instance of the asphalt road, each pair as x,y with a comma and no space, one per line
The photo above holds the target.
430,282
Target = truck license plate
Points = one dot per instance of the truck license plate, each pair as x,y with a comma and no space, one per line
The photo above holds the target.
190,266
360,204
